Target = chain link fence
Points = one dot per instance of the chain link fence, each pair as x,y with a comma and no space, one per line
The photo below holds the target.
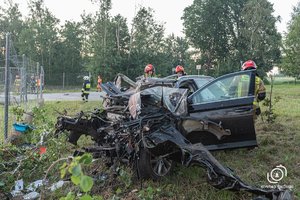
69,81
21,84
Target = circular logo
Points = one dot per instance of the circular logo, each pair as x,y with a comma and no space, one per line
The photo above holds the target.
276,174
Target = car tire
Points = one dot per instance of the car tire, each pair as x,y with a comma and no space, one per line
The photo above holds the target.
152,167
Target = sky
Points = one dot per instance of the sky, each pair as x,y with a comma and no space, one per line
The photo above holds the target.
166,11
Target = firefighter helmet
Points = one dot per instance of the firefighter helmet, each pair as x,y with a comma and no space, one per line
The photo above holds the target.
149,68
249,64
179,68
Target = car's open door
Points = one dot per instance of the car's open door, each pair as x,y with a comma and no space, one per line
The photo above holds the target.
224,107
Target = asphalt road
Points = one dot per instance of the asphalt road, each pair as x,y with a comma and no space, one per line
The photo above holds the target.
68,96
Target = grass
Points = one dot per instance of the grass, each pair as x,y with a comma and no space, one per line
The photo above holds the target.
279,143
278,80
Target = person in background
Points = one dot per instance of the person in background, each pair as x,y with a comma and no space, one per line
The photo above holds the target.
86,88
32,85
260,90
38,83
17,83
99,82
179,70
149,71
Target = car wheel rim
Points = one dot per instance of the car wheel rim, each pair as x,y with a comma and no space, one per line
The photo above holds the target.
160,166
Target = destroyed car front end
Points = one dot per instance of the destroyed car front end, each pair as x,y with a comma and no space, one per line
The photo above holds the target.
152,125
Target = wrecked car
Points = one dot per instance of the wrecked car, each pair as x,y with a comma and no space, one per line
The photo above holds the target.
153,123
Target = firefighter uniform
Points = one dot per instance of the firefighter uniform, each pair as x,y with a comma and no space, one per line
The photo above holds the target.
86,89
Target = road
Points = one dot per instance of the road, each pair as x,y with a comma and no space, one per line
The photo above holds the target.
67,96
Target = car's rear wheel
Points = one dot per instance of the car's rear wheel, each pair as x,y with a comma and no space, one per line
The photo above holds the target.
154,167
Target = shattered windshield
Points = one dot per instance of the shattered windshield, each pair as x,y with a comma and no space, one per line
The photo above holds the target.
173,99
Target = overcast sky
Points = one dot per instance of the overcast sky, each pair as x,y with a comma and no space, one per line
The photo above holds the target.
168,11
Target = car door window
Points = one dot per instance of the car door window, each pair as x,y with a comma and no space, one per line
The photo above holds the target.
236,86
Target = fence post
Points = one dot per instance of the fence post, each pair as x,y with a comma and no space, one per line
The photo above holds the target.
36,79
7,52
25,81
41,82
63,80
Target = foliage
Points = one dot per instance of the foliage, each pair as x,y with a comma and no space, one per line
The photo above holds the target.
146,42
11,21
99,44
23,160
148,193
124,177
75,169
227,32
18,112
269,103
291,61
269,112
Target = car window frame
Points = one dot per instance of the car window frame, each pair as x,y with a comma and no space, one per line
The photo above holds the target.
250,92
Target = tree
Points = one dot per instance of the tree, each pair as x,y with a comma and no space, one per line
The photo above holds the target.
11,22
67,54
146,44
291,61
108,42
227,32
40,36
175,52
260,35
205,25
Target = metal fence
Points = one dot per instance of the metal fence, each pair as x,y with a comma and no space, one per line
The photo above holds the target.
21,84
66,80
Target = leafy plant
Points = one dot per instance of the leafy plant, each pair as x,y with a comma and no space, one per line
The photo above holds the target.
269,112
78,178
125,177
148,193
18,111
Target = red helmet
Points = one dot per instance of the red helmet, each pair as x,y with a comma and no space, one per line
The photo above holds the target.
249,64
149,68
179,68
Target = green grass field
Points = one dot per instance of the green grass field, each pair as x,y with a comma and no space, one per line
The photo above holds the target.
279,143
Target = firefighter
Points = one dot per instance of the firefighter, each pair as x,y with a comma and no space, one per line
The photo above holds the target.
149,71
179,70
38,83
99,82
86,88
32,85
260,90
17,83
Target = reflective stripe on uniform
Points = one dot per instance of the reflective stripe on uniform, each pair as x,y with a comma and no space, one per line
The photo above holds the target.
243,86
259,88
86,88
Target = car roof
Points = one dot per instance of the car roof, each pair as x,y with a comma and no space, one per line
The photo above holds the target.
194,77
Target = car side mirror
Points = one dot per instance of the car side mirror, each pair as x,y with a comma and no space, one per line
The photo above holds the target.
189,100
